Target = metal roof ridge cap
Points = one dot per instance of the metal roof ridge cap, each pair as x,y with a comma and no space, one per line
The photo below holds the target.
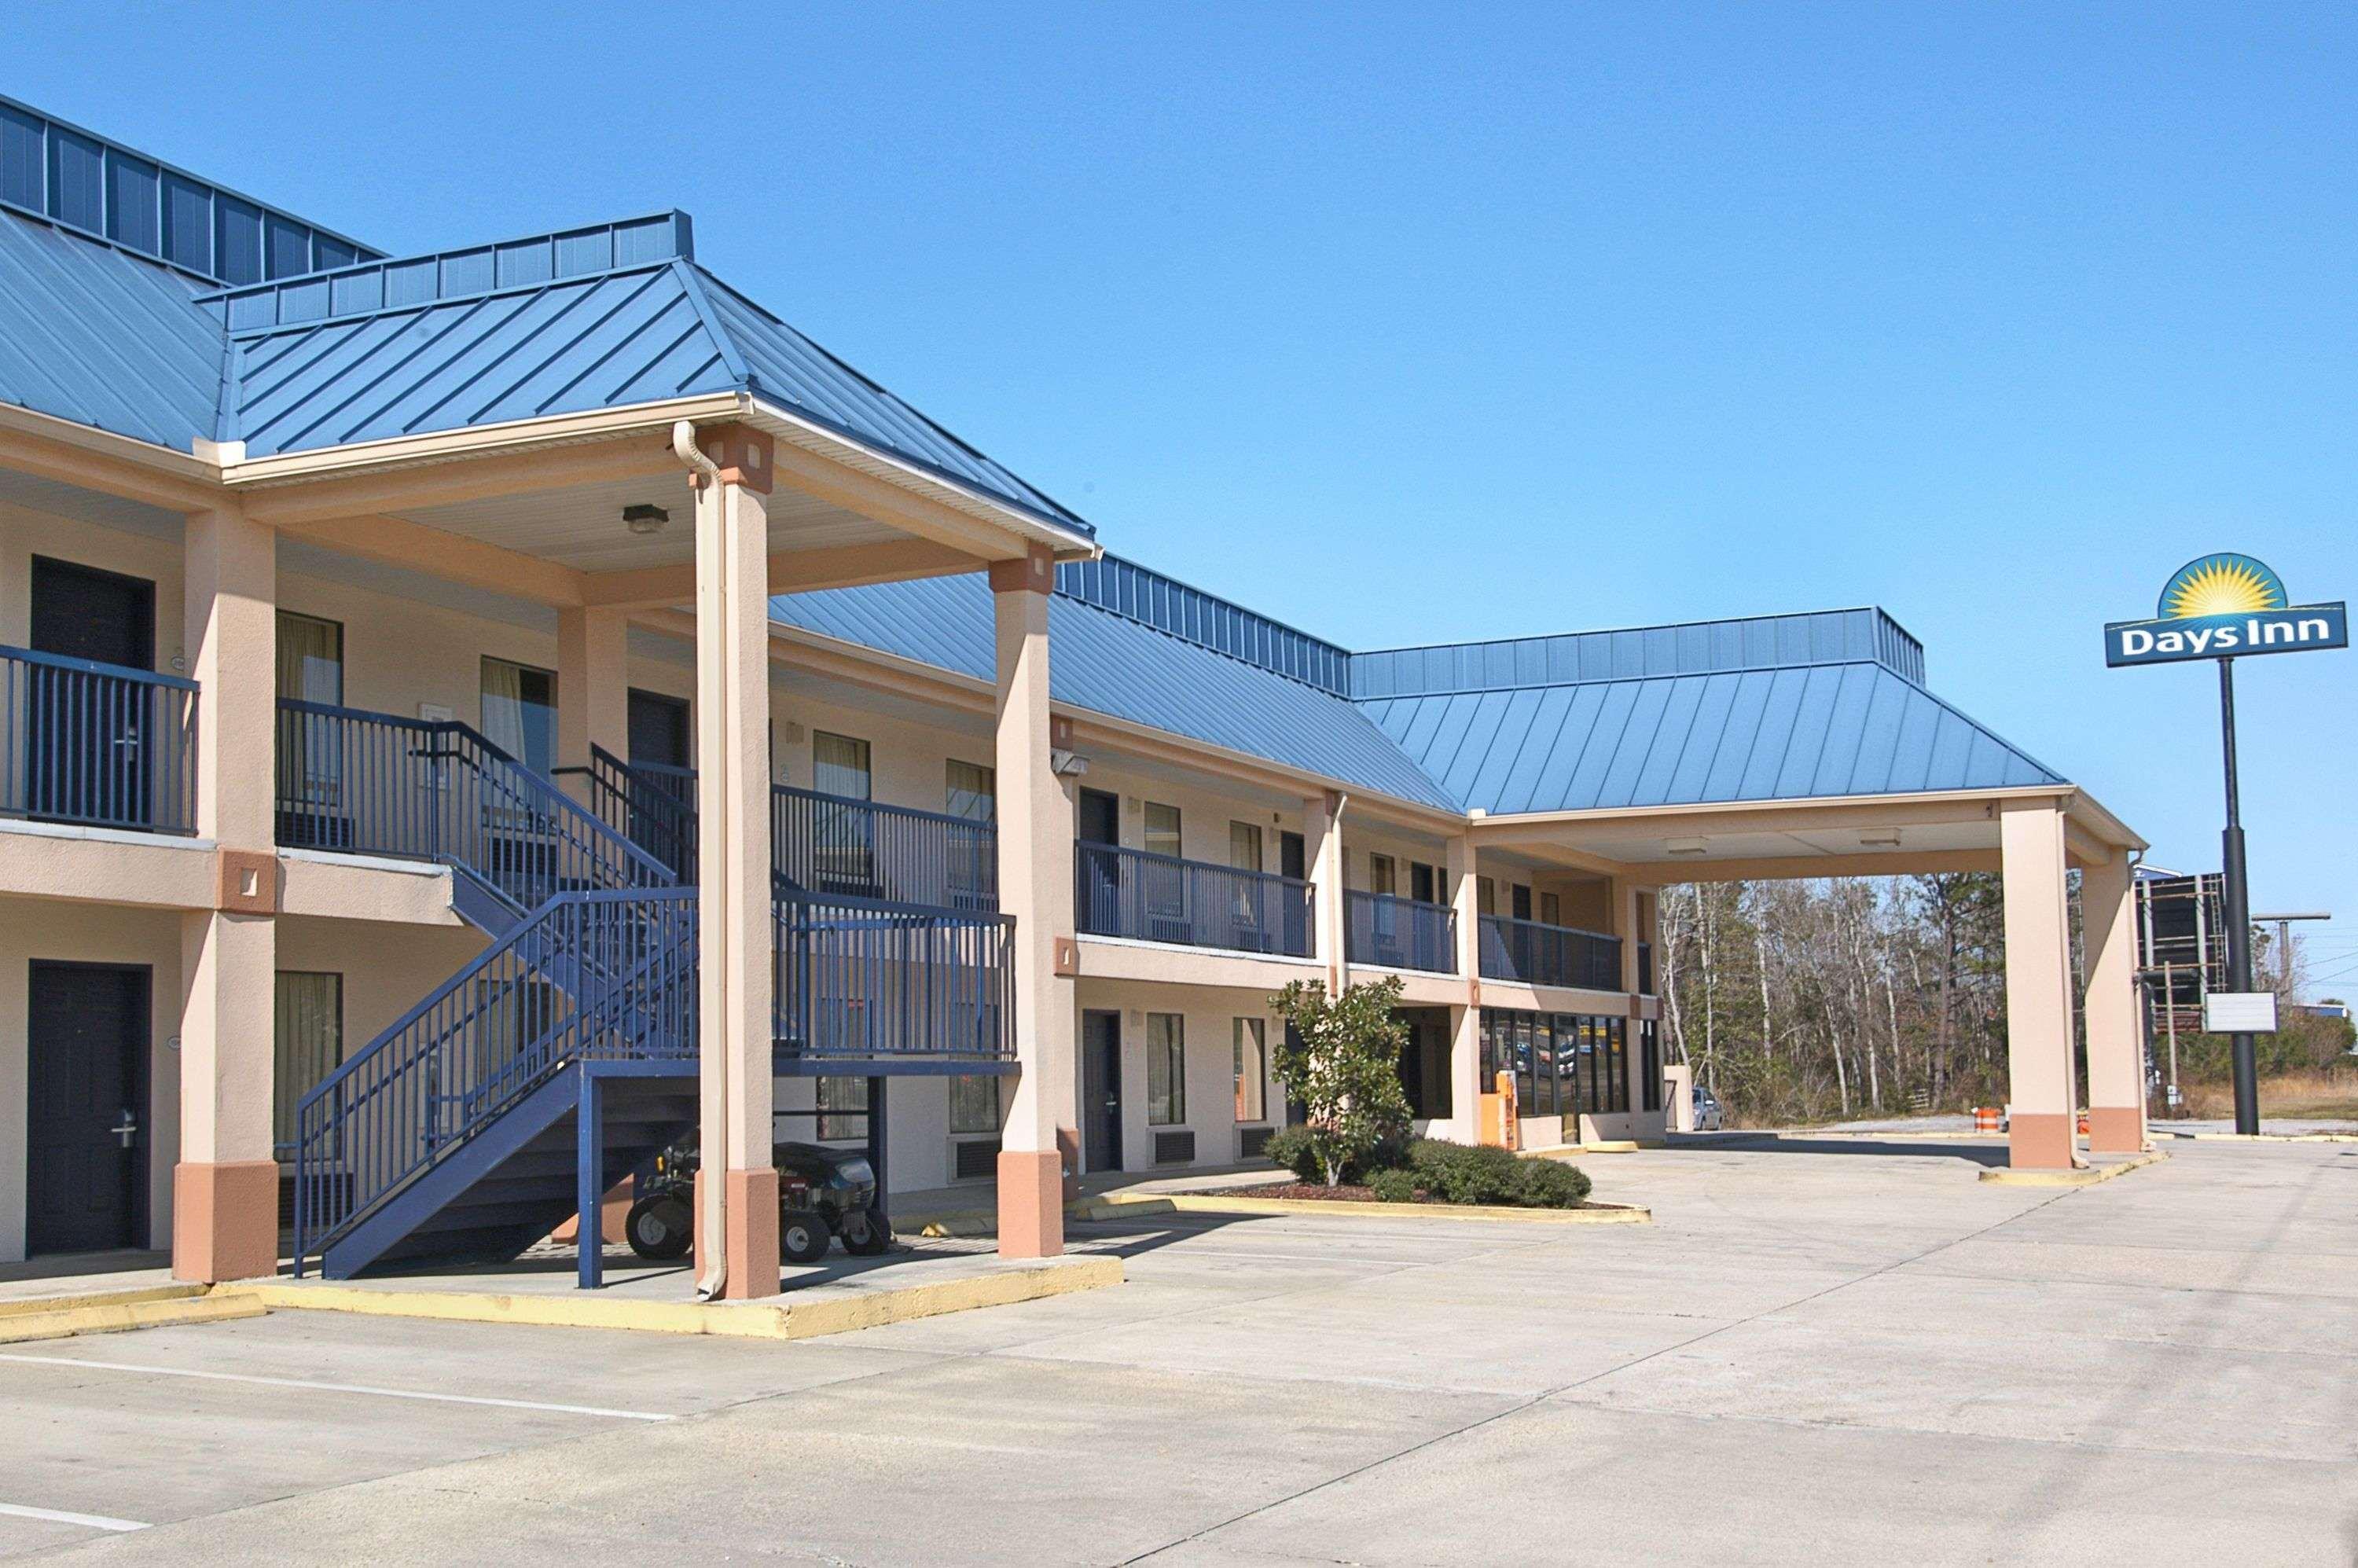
378,263
419,306
1136,565
1659,626
1186,642
1624,680
691,282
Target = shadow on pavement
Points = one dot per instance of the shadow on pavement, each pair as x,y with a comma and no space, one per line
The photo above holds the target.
1970,1151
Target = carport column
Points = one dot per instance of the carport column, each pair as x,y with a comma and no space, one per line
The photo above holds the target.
1035,886
592,691
2116,1042
1466,1022
1625,916
225,1187
737,932
2037,986
1322,833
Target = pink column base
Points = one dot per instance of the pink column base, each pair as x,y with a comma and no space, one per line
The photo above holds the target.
2117,1129
225,1220
1031,1203
2039,1141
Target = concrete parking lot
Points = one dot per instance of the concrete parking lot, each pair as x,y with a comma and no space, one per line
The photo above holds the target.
1825,1351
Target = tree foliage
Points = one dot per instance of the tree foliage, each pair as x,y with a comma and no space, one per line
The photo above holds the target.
1341,1061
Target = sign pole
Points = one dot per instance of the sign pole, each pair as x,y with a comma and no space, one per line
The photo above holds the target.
2238,915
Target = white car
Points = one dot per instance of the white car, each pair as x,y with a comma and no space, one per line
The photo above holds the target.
1708,1116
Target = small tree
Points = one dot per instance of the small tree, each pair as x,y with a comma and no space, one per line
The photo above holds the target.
1341,1060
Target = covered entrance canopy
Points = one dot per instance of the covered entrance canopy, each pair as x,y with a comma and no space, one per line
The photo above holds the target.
1788,747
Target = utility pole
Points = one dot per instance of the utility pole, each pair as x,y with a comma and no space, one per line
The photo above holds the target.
2238,912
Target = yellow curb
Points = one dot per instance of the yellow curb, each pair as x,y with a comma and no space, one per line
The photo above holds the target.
120,1317
739,1320
1212,1203
173,1292
2087,1176
2271,1137
974,1223
1568,1151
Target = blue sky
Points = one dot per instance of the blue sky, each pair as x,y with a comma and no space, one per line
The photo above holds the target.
1502,319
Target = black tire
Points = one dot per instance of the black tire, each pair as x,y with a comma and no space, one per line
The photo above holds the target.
867,1233
660,1227
803,1235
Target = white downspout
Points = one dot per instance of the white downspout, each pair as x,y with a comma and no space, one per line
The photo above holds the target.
712,1212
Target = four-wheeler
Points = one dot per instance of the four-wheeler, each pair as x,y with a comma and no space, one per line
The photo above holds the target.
823,1194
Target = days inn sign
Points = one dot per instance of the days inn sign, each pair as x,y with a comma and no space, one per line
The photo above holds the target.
2223,607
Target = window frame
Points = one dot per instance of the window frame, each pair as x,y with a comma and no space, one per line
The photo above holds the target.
287,1096
1249,1038
1168,1105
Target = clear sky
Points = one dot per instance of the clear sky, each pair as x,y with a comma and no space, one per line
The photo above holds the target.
1499,319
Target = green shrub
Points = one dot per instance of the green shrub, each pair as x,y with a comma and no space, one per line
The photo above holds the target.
1544,1184
1462,1172
1393,1185
1293,1148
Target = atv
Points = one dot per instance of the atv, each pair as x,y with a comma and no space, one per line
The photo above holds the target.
823,1194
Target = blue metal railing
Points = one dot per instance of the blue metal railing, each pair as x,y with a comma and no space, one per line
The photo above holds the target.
1542,955
103,745
1160,898
873,979
602,975
651,806
831,844
1399,932
436,790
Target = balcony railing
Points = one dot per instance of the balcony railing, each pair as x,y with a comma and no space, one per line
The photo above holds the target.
652,805
101,745
1542,955
1401,933
857,849
866,980
1193,903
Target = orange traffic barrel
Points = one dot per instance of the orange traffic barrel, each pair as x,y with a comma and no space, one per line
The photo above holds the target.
1985,1119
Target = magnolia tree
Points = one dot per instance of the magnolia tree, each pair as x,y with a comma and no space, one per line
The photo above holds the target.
1341,1061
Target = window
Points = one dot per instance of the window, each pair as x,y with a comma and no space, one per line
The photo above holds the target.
307,1044
1244,854
974,1104
1252,1070
970,790
520,712
310,669
1161,829
1244,846
842,835
842,1109
1381,877
1650,1067
1486,895
838,765
1423,882
1551,910
1522,901
1166,1069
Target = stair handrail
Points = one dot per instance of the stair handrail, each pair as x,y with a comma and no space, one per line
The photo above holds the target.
610,858
593,1017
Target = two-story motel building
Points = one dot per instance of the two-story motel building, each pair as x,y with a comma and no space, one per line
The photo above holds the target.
469,719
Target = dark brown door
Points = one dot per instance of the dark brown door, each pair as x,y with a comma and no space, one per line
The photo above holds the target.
86,1109
1101,1089
86,731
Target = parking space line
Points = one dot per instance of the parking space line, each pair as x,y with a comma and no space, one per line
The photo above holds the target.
337,1387
58,1516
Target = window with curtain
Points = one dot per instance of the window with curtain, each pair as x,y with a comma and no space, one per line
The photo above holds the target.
1550,909
1166,1069
839,1099
1486,895
1161,829
970,791
1383,877
1251,1047
520,712
307,1041
974,1104
310,669
842,836
1244,854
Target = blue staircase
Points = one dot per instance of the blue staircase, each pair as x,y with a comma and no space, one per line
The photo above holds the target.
458,1130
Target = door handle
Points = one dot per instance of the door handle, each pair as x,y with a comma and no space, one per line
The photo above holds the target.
125,1129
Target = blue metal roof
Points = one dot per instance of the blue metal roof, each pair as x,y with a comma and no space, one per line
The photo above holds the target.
1784,733
94,334
55,170
1107,663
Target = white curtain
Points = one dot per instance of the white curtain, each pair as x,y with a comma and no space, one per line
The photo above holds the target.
504,707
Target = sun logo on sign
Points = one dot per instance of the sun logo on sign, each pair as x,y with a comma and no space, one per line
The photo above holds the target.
2221,585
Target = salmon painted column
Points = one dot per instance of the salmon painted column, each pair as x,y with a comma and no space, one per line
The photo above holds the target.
2115,1040
1466,1022
737,931
593,690
225,1187
2037,989
1035,886
1321,834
